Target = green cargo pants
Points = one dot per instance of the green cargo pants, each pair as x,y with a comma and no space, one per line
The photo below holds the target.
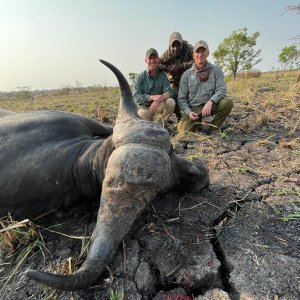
220,111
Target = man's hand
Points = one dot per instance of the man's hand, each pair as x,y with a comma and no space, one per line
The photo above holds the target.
158,98
154,105
206,110
175,69
193,116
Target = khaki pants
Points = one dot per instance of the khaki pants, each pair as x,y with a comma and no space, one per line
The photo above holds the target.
220,111
166,110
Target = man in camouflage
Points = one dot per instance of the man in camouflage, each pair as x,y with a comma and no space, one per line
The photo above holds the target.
176,60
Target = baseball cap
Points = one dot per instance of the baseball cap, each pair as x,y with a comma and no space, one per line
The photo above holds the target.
200,44
175,36
151,51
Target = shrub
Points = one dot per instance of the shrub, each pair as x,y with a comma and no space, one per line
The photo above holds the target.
249,74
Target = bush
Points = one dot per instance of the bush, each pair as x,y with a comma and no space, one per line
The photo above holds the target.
249,74
228,78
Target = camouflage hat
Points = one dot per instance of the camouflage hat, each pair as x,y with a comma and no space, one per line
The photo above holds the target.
151,51
200,44
175,36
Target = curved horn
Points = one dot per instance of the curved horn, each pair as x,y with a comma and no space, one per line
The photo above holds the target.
100,253
115,218
127,190
127,105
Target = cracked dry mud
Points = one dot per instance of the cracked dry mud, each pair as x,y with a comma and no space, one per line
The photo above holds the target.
226,243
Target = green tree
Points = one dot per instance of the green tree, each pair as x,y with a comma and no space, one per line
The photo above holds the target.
289,57
236,52
24,92
132,77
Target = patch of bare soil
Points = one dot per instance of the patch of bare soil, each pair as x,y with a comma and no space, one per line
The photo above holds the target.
233,241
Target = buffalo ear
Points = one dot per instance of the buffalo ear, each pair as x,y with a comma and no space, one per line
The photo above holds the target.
194,171
199,172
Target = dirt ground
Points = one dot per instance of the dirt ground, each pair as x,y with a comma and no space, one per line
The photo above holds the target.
236,240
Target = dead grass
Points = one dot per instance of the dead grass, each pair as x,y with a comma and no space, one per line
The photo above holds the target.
293,144
269,97
14,234
19,240
249,74
272,97
99,103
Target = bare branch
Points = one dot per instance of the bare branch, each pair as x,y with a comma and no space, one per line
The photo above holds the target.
293,8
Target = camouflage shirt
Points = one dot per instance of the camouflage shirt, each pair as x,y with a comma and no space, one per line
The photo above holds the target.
186,60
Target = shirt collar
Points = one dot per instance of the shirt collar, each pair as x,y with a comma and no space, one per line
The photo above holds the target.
194,69
147,71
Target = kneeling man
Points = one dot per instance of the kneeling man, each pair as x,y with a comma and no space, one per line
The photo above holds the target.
202,92
152,91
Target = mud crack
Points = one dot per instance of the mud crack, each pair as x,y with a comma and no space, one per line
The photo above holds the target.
226,267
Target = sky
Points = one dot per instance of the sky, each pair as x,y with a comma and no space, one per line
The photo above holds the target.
57,43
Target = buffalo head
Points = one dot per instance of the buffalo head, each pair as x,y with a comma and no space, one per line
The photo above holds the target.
141,166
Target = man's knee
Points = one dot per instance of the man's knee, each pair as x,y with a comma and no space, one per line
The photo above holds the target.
226,104
170,102
145,114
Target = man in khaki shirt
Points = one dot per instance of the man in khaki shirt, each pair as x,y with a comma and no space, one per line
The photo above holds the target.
202,92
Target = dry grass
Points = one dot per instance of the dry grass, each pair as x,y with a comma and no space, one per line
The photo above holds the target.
98,103
14,234
249,74
272,97
18,241
267,98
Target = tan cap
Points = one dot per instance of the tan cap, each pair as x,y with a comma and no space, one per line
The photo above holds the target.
175,36
151,51
200,44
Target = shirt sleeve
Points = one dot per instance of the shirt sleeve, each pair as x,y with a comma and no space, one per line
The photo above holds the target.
188,64
221,89
163,58
139,95
183,94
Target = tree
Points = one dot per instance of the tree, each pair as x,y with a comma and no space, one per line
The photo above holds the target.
24,92
236,52
132,77
294,8
289,57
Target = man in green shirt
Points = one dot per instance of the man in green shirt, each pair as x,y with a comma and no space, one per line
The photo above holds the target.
152,90
202,92
176,60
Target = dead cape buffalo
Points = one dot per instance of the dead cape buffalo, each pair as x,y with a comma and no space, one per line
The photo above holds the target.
50,159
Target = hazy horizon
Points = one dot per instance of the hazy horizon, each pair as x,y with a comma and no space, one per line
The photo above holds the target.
49,45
